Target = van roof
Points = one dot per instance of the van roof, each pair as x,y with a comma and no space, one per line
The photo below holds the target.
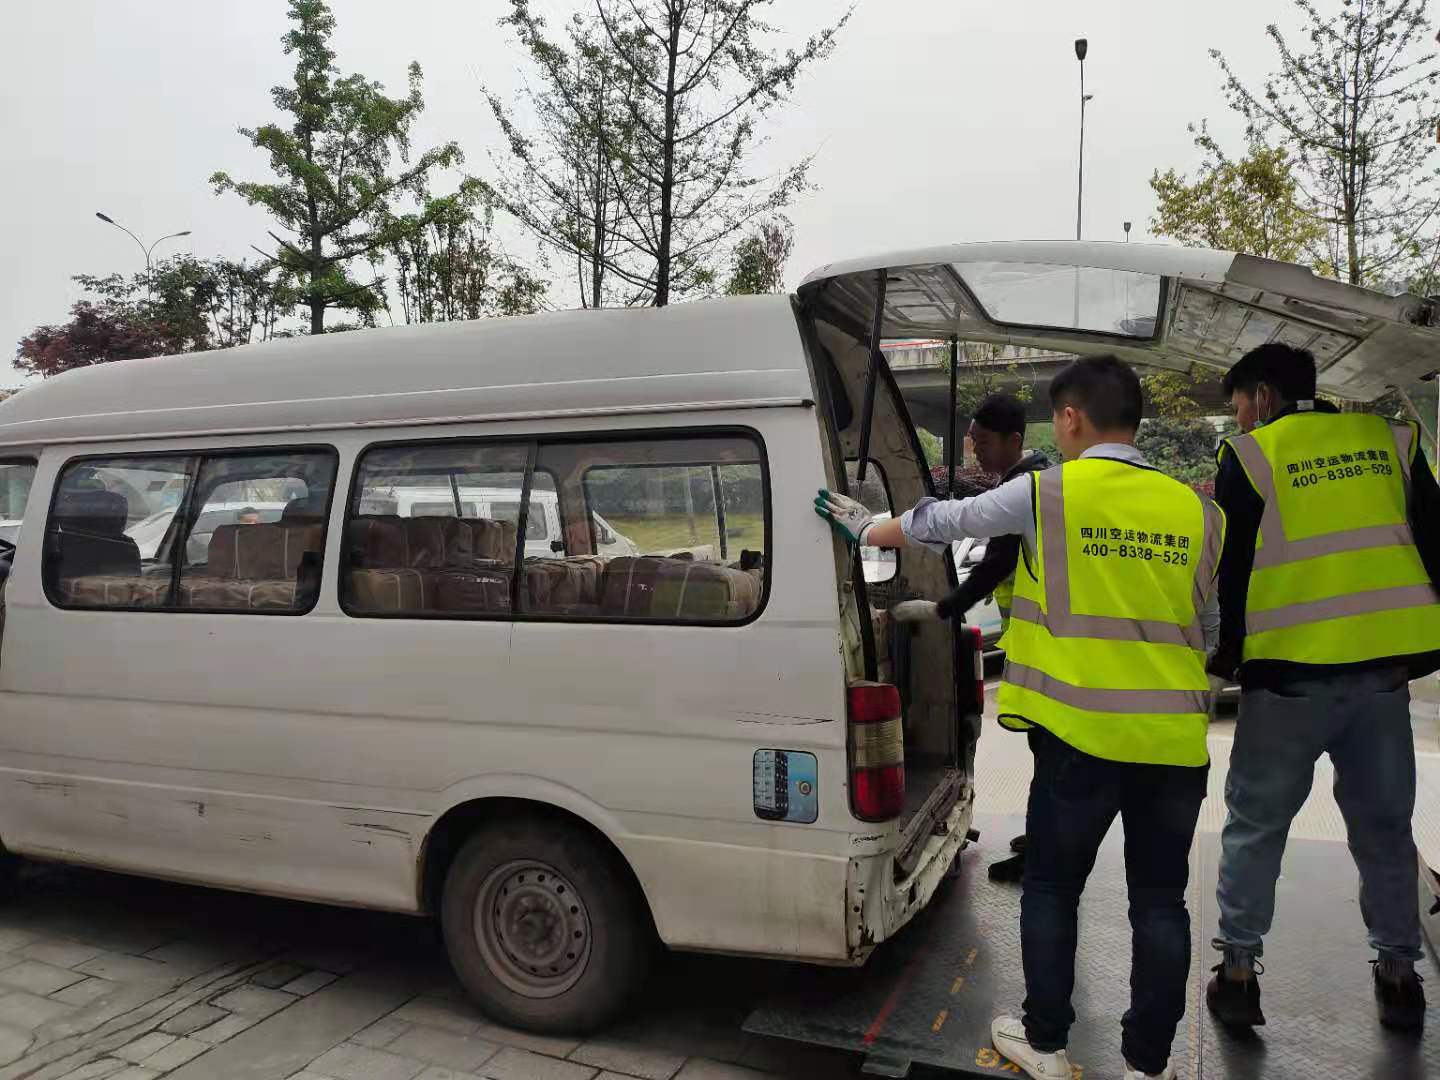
740,352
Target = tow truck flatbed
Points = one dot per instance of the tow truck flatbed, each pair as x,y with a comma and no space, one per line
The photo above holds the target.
927,997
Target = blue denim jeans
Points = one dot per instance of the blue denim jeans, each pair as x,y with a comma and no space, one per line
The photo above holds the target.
1074,799
1363,722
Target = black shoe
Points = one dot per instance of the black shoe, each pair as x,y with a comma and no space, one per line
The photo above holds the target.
1399,995
1010,871
1018,845
1234,993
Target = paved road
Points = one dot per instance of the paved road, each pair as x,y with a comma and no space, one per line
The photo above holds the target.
103,976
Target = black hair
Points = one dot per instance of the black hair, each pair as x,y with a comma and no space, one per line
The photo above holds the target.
1104,388
1289,370
1003,414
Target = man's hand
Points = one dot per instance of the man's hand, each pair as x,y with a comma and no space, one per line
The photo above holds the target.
846,516
916,611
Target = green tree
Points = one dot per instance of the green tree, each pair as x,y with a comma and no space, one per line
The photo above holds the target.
336,188
1252,205
1355,109
448,265
1184,449
180,305
760,258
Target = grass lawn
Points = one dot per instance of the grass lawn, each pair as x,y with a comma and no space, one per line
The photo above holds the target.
672,531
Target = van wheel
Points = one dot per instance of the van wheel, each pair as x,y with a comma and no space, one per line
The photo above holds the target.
544,928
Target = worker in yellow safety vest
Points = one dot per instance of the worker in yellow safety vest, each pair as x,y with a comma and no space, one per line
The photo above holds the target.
1105,666
1328,607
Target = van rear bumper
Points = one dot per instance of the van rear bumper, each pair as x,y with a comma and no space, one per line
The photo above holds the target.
880,900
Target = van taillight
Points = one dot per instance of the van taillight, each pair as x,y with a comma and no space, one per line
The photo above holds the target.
877,752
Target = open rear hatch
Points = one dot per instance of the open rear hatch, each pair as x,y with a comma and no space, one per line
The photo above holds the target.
1168,307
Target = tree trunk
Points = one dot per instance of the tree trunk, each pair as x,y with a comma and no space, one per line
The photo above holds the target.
667,174
317,315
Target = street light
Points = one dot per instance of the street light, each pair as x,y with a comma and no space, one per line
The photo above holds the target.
172,236
1082,46
1127,232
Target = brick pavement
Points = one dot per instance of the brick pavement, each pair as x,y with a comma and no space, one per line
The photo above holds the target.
104,977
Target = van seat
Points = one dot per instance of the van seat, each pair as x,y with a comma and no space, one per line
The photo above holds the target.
564,586
391,542
264,551
89,530
254,567
430,564
115,590
656,587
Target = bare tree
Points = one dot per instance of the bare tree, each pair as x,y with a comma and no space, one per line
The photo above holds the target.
697,80
1355,111
561,181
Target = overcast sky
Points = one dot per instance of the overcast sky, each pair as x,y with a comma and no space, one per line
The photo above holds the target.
934,121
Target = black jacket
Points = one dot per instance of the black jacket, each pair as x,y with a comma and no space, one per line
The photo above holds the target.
1243,508
1002,553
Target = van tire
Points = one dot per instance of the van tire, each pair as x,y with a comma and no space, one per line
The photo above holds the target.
537,961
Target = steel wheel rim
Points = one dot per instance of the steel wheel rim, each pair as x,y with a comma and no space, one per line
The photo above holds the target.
533,928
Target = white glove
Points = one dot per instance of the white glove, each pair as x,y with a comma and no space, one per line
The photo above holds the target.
846,516
916,611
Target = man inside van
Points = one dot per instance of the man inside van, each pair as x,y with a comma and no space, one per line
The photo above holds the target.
1106,663
997,431
1328,604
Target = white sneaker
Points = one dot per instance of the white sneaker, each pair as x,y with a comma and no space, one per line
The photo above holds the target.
1007,1034
1136,1074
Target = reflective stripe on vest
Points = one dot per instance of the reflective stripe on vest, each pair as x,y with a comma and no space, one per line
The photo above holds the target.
1091,653
1114,701
1377,602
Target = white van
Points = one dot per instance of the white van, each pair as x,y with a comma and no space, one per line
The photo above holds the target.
716,741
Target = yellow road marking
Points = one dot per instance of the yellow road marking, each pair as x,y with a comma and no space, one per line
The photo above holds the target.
939,1021
971,958
957,985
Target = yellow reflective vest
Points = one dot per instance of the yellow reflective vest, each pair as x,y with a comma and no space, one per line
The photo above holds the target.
1337,578
1105,648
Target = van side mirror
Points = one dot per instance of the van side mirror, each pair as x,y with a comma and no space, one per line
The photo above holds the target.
557,546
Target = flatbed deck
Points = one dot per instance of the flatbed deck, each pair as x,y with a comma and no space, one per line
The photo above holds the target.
927,997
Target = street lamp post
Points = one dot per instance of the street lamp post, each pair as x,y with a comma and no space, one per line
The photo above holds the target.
1082,46
148,264
1127,232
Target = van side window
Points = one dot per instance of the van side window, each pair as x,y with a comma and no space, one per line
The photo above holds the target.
255,532
432,530
663,530
221,532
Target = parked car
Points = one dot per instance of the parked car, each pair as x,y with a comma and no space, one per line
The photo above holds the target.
967,554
